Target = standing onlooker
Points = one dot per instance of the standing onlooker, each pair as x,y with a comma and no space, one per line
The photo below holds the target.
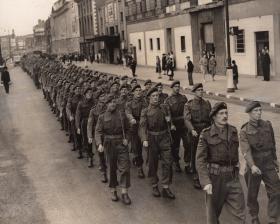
189,67
133,65
266,65
235,73
158,67
163,60
203,62
212,66
124,62
5,79
170,65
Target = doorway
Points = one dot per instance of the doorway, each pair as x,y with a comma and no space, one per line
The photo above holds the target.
262,41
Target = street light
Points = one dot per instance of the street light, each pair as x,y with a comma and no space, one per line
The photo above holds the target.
229,74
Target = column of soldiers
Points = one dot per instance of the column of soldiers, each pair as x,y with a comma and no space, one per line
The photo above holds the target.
106,115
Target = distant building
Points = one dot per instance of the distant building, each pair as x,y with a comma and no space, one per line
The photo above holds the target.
87,11
189,27
48,34
40,41
64,25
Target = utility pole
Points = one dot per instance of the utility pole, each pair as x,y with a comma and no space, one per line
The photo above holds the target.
229,74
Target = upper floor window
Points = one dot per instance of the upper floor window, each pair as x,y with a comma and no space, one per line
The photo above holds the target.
239,40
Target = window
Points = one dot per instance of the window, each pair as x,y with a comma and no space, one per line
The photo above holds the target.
139,45
158,44
151,44
240,42
183,44
121,16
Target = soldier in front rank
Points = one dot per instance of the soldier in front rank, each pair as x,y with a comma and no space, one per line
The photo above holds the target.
95,111
196,116
217,163
81,120
155,134
110,135
176,103
162,96
133,112
123,97
259,149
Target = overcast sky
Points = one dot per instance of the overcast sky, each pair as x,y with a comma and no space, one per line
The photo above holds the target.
22,15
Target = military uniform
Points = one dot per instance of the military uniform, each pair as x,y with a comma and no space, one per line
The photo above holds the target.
154,129
111,129
71,108
176,104
196,116
258,147
95,112
133,111
217,163
81,119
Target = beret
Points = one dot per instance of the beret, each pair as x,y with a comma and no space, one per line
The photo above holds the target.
86,90
252,105
175,83
147,82
116,78
124,77
135,87
196,86
109,99
113,83
217,107
110,78
133,80
158,84
152,90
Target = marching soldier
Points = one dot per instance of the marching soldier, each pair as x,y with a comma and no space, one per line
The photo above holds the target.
81,120
147,85
162,96
196,116
155,134
217,164
112,126
98,109
176,103
133,112
259,149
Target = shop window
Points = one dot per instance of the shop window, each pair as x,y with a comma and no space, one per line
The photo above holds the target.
158,44
139,45
183,44
151,44
240,42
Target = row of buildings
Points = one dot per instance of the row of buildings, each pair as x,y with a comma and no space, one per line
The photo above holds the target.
150,28
110,29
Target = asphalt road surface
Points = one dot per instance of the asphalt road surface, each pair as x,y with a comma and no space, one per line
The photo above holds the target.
41,181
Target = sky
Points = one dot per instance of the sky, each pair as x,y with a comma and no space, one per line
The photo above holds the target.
22,15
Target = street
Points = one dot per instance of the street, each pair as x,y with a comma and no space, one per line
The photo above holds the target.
43,182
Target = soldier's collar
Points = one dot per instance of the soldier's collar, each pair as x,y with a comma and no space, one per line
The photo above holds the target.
254,123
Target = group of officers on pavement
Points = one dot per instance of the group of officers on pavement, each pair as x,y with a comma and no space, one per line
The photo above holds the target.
110,116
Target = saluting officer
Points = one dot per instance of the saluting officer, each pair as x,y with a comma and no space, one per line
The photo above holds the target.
112,126
217,164
162,96
176,102
259,149
133,112
196,116
155,134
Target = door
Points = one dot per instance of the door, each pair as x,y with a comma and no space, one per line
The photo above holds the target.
262,41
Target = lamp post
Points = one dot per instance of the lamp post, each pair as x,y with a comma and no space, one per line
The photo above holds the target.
229,74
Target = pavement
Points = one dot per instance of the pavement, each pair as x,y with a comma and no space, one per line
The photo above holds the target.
43,182
250,88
